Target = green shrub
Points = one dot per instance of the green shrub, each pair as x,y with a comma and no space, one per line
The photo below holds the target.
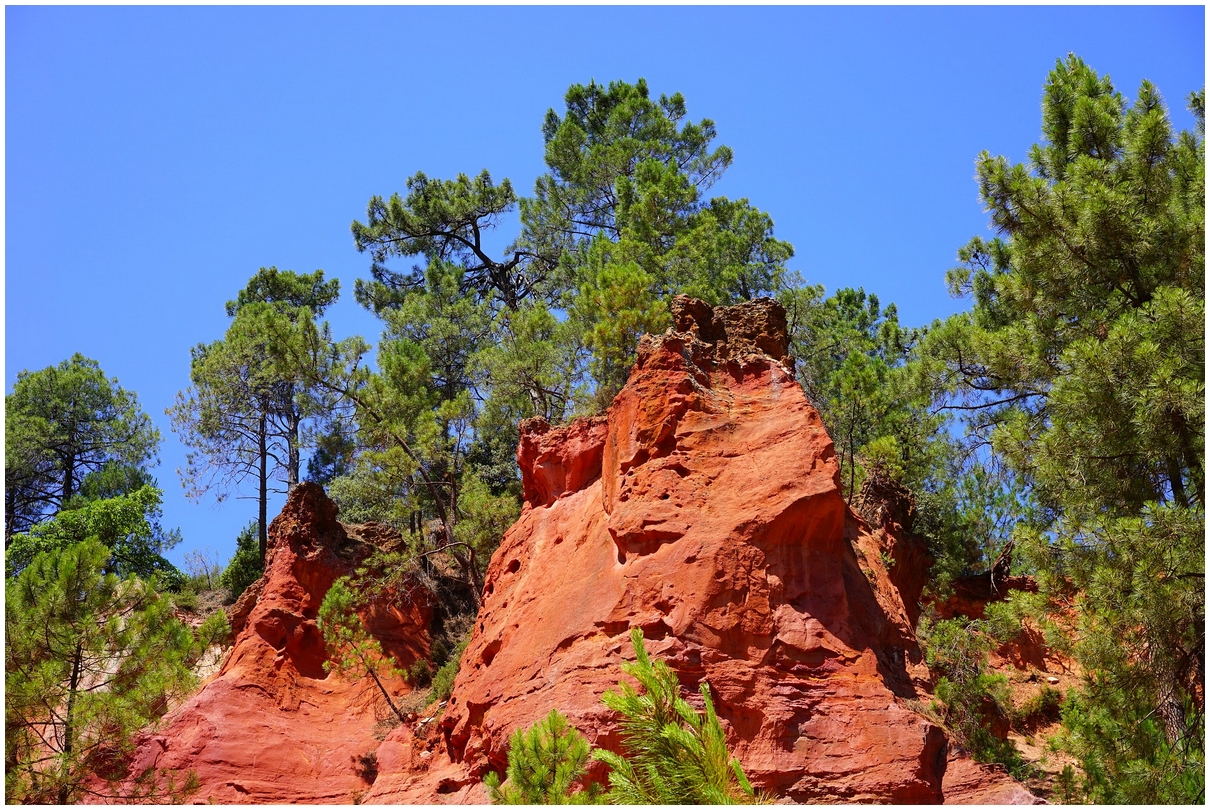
545,766
443,679
420,673
972,699
1067,789
185,598
246,566
214,630
674,754
1041,708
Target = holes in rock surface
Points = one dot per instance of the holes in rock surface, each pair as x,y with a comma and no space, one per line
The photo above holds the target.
654,631
679,469
612,629
514,566
489,652
447,786
665,496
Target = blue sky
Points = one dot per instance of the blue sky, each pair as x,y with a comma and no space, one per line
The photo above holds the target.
156,157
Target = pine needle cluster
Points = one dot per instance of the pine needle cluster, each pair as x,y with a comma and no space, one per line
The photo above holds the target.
546,764
674,754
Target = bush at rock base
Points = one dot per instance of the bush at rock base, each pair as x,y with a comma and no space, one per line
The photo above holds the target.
673,753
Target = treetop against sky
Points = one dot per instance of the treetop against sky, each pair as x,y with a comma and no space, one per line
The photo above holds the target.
157,157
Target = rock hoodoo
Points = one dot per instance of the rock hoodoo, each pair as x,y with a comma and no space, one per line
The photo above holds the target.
704,507
271,726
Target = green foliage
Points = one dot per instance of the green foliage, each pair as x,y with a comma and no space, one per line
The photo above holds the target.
1066,787
243,415
288,291
1042,707
1124,751
246,565
546,765
120,523
484,517
334,448
89,660
214,630
1082,367
616,307
351,649
972,698
62,423
443,680
420,673
442,220
674,754
847,347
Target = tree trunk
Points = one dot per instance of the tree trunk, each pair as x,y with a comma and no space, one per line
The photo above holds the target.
383,689
293,420
69,475
1172,714
263,495
73,685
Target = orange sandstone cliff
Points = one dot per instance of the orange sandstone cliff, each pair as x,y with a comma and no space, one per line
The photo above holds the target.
704,507
271,726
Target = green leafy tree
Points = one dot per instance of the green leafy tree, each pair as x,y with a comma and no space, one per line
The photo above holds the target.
848,348
546,765
971,697
242,416
352,650
1082,366
121,523
443,220
89,660
616,155
62,423
246,565
674,754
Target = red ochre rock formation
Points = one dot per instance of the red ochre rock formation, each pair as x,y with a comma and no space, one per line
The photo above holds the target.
704,507
271,726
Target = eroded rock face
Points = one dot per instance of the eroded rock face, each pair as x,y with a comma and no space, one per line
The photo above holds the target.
271,726
705,509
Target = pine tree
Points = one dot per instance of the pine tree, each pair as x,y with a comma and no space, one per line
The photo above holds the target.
62,423
546,765
89,660
1082,366
673,753
242,416
351,649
